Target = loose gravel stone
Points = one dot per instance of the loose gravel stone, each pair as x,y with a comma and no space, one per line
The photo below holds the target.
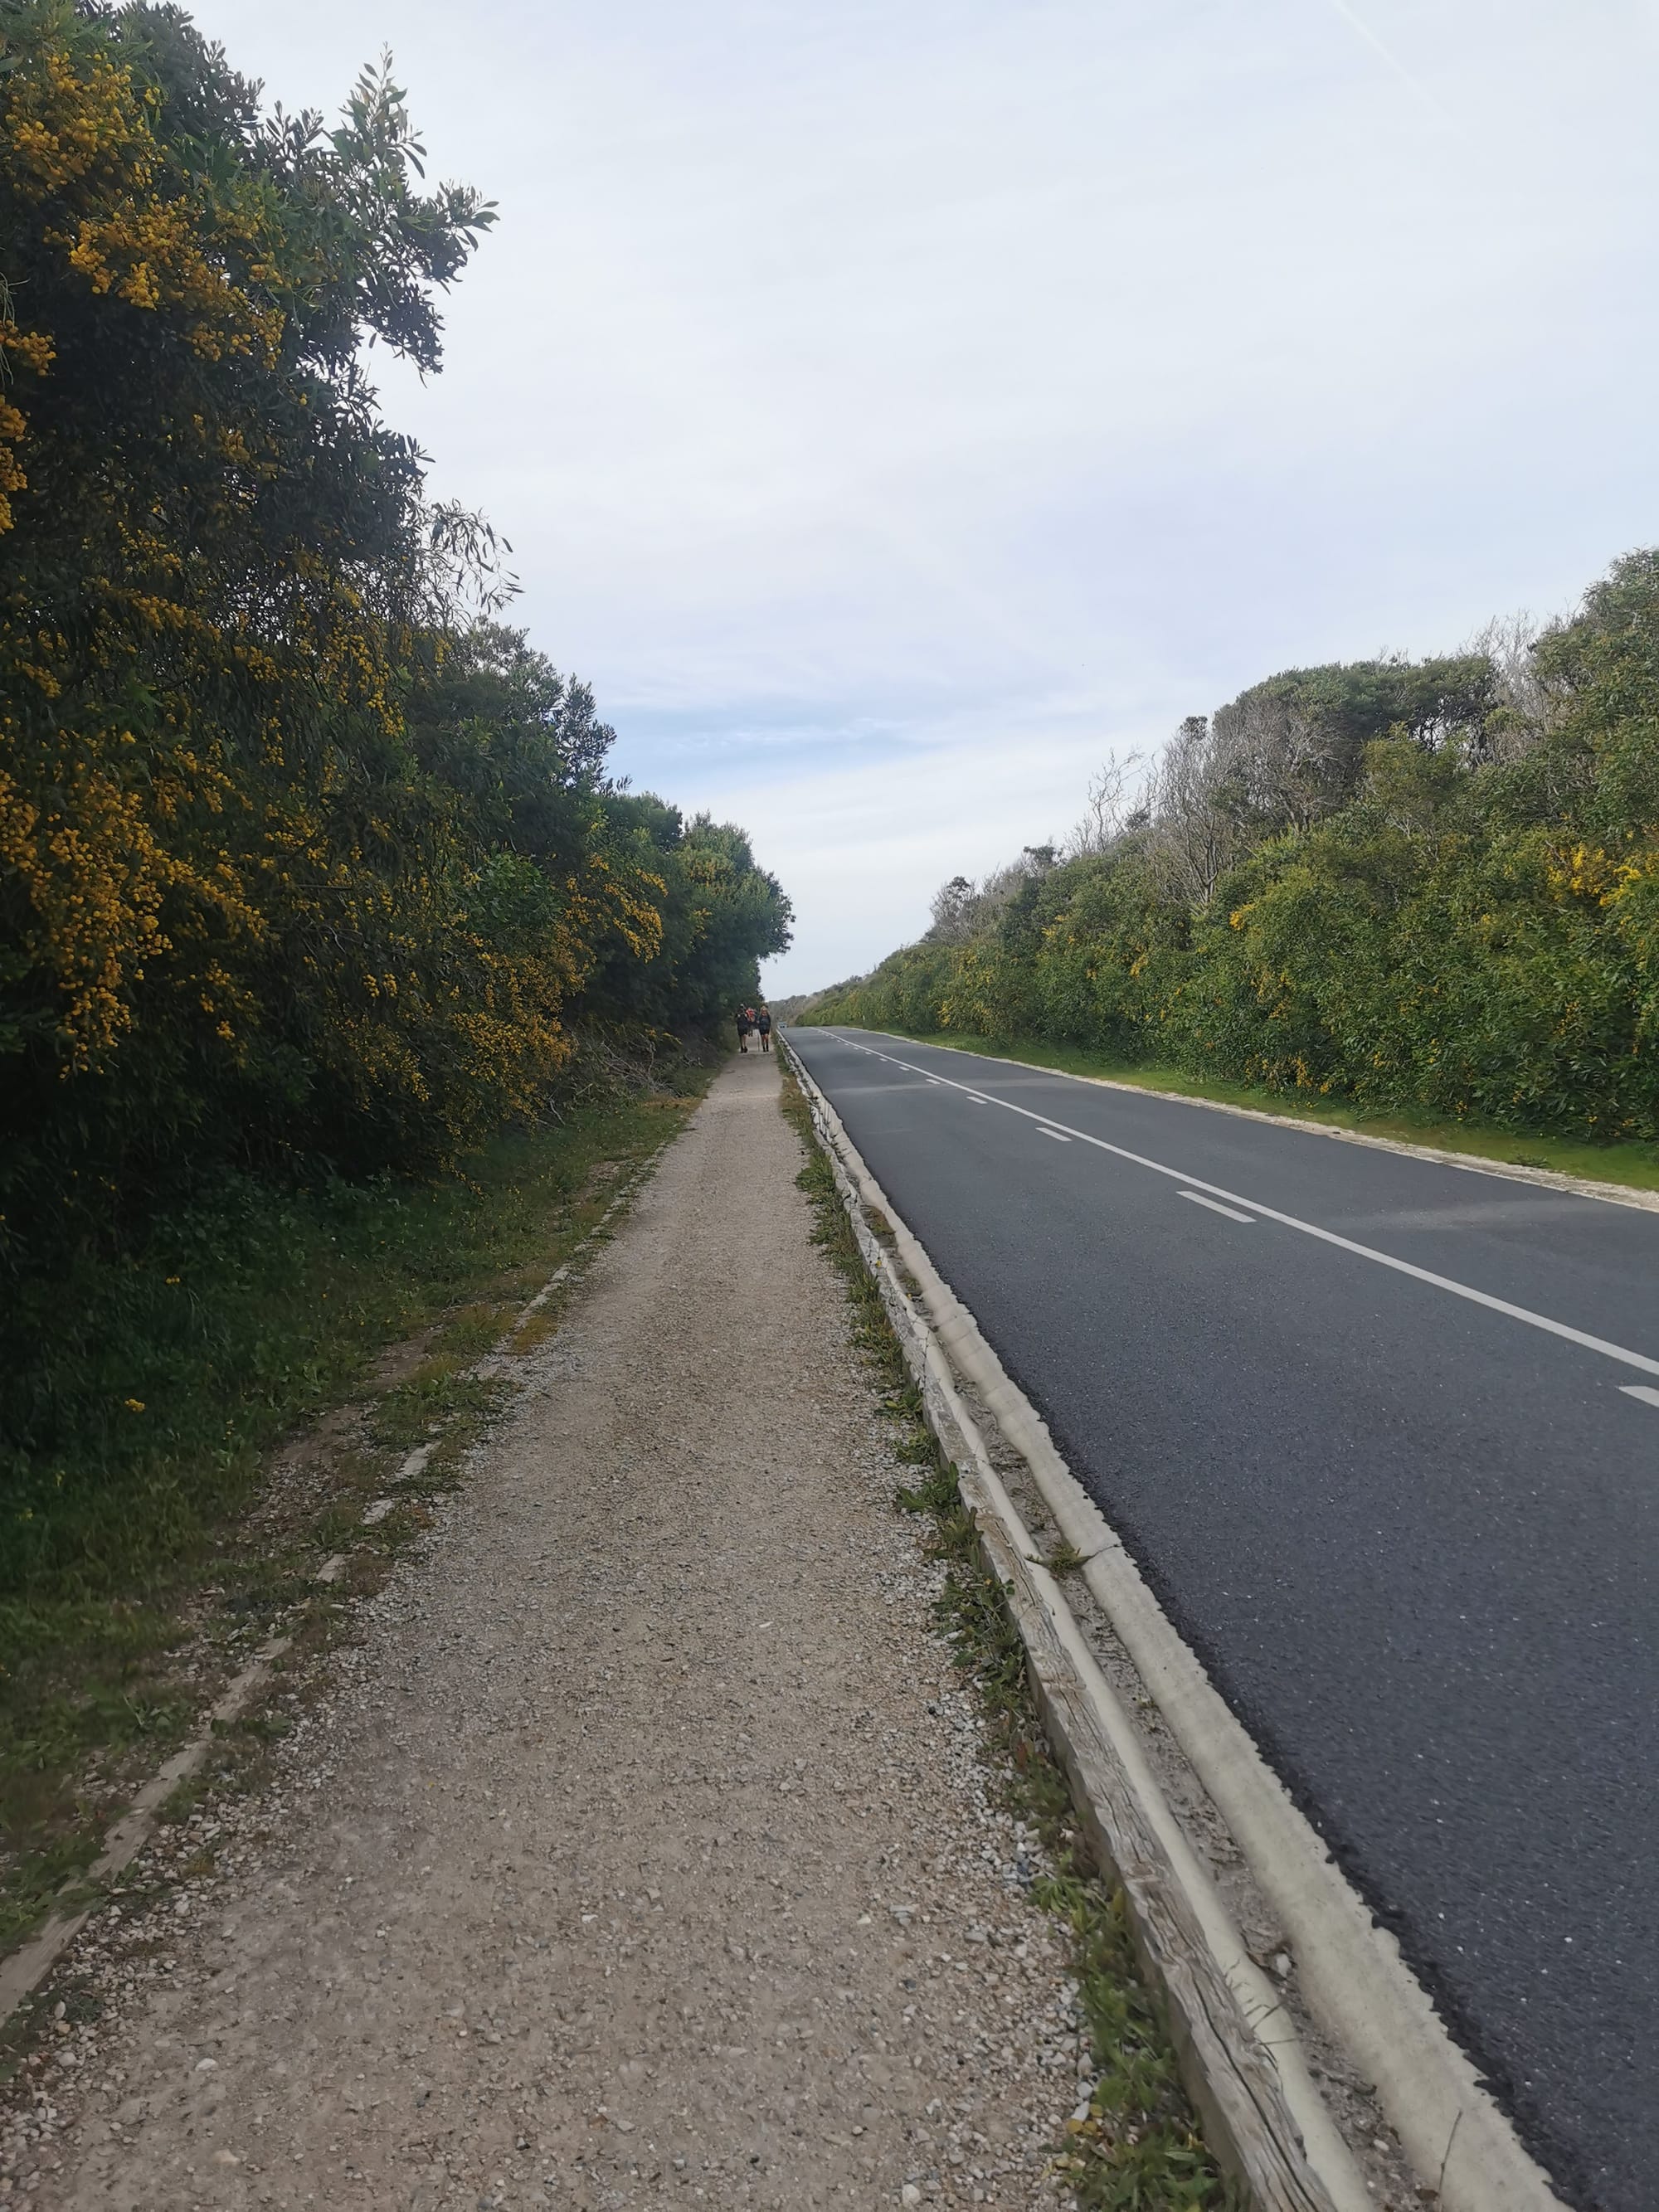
642,1847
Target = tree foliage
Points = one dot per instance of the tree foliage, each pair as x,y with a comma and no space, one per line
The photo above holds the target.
306,862
1429,883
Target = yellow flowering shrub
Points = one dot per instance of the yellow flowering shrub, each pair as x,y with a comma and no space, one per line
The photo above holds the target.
302,864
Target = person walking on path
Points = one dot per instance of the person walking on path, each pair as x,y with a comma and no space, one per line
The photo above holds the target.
745,1023
764,1024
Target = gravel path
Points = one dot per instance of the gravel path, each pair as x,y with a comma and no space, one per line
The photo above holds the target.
639,1850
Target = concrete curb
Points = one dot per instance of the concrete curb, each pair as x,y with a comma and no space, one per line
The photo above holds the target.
1350,1972
1262,2115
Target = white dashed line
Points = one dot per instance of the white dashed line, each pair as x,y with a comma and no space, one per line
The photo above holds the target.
1524,1314
1059,1137
1641,1390
1215,1206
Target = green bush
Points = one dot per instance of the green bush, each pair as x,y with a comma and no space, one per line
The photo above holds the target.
1459,915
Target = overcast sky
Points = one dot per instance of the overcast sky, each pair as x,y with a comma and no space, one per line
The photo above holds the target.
898,406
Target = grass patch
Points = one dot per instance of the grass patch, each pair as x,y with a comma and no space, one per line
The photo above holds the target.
146,1551
440,1391
1140,2149
1634,1165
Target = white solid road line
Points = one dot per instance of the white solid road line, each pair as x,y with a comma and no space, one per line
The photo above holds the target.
1457,1290
1215,1206
1641,1390
1058,1138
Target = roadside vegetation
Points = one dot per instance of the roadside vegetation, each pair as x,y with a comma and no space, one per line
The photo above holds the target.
333,960
342,1324
1139,2147
1418,889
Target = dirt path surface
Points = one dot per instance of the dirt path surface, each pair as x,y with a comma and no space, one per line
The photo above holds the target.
639,1849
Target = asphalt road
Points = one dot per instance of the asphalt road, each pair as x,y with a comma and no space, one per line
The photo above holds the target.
1383,1435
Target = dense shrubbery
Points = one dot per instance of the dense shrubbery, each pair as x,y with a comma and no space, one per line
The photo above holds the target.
1429,885
307,867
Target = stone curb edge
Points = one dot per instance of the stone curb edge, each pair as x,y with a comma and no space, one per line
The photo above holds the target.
1236,2080
1372,2007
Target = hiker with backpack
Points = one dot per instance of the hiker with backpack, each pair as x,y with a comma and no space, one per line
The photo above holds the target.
745,1023
764,1024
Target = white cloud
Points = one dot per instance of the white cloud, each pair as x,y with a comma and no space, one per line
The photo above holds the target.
893,407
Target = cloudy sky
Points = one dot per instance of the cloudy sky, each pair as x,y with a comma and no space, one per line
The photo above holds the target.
898,406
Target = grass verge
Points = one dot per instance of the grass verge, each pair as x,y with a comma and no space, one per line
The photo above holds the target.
1140,2149
1634,1165
153,1542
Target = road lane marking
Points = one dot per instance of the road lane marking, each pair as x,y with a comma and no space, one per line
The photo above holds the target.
1215,1206
1525,1314
1641,1390
1057,1136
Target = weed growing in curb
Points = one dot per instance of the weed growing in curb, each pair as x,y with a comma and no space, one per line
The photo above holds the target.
1140,2148
1066,1560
